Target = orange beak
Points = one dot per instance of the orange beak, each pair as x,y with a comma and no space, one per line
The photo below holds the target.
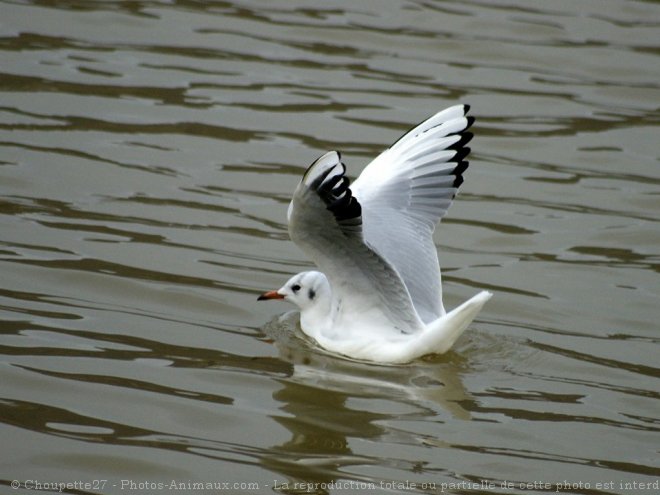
271,294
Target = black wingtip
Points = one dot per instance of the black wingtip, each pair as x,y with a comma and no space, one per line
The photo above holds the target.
461,153
458,173
465,138
335,192
346,208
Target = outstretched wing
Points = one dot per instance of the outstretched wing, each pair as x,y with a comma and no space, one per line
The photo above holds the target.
405,192
325,221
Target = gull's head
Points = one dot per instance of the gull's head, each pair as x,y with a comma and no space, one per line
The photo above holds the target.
305,290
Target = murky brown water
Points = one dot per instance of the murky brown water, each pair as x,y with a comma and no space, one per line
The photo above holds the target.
147,154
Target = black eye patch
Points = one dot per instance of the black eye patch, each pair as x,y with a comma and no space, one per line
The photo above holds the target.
295,288
311,294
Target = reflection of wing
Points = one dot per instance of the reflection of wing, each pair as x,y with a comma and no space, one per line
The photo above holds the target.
404,193
325,222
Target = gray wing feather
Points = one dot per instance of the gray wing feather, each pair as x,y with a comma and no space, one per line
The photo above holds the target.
405,192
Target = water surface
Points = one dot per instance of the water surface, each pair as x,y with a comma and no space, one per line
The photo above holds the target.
148,151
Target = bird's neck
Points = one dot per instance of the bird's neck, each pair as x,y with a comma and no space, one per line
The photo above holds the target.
317,316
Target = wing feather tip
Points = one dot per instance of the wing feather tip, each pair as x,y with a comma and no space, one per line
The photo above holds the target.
335,190
465,138
461,153
458,173
324,163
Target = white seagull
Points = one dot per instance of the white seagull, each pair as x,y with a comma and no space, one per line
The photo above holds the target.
379,297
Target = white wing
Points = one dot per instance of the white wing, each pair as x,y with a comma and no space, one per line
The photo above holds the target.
325,222
405,192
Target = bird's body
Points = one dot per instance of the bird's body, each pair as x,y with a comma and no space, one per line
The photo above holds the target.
378,295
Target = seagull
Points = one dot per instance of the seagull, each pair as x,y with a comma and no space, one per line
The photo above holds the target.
377,295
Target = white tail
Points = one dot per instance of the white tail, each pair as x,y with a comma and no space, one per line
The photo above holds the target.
440,335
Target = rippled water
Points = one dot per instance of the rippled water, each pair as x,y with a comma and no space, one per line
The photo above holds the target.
148,151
